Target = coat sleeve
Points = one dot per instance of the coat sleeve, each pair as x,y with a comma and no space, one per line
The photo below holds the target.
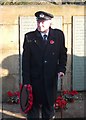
26,61
62,54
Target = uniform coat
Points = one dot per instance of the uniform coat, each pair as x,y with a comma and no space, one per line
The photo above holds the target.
41,64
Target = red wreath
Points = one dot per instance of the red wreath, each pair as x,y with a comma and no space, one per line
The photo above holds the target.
30,98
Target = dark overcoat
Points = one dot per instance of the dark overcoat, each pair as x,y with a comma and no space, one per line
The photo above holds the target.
41,63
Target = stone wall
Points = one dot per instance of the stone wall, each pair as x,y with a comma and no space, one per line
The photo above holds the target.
9,41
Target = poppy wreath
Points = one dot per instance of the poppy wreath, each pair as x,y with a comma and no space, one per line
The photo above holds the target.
29,100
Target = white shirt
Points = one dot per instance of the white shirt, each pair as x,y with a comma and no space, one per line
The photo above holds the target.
42,34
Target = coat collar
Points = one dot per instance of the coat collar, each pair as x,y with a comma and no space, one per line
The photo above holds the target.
39,38
51,40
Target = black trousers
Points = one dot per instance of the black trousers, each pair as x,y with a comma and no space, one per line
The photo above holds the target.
47,112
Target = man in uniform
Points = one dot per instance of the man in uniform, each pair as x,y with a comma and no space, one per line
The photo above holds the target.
44,59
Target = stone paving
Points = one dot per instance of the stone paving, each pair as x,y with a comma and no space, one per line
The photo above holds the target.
73,110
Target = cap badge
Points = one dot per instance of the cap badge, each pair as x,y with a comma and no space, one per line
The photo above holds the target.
41,15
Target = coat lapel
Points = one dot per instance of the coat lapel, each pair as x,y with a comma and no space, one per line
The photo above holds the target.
38,39
51,42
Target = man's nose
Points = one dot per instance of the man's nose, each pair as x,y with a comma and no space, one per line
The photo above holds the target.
41,23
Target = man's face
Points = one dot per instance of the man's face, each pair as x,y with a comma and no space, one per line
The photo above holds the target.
43,25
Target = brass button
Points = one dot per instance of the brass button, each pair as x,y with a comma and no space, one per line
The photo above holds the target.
45,61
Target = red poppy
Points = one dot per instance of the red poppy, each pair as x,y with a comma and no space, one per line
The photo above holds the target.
65,92
9,93
60,102
74,92
17,93
51,41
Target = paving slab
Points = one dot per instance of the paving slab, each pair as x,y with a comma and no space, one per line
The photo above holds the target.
75,109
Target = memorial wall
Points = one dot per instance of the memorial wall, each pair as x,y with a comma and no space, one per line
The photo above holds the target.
15,21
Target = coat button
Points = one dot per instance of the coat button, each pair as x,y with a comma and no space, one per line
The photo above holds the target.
35,41
45,61
53,53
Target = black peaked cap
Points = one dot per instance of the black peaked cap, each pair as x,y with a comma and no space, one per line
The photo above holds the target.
43,15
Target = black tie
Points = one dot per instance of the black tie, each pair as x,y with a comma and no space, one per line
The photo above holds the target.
45,39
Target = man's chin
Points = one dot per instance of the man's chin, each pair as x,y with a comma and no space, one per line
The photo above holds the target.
42,30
